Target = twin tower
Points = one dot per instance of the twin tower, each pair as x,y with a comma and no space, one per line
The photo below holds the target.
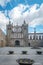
17,35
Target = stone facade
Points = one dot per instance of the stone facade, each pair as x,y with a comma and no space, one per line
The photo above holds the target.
35,42
2,39
19,36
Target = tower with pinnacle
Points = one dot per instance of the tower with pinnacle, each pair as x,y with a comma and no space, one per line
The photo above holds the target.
9,30
25,33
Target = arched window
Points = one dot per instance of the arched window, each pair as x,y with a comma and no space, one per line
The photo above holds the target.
39,37
42,37
33,37
36,37
30,37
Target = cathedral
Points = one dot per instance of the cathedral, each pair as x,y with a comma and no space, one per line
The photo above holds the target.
18,36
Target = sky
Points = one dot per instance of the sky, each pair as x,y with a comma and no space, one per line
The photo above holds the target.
19,10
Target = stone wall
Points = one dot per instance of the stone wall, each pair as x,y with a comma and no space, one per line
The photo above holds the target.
2,39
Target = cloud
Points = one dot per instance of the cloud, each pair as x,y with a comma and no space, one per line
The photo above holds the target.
37,17
32,14
3,21
4,2
17,13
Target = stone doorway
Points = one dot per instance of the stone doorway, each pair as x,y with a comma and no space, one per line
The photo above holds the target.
17,43
29,44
